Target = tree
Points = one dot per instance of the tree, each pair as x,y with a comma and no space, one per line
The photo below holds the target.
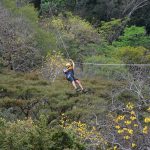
51,7
52,66
23,41
130,6
133,36
141,18
108,29
74,35
123,9
17,36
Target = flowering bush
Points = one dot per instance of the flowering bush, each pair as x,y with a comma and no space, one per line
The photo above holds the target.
28,134
87,135
128,130
52,66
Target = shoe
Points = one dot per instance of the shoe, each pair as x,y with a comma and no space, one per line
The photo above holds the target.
78,90
84,90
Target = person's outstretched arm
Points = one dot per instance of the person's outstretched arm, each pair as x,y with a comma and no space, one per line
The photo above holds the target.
73,64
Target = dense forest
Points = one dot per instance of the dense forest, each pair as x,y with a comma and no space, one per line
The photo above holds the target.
96,11
109,42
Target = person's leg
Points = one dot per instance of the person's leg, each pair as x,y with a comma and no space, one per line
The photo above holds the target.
79,83
71,79
74,84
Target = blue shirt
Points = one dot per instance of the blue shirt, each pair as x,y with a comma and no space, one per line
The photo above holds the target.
68,73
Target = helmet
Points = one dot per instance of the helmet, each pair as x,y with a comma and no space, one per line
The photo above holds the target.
68,64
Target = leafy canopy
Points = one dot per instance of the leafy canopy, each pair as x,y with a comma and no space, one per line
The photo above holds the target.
133,36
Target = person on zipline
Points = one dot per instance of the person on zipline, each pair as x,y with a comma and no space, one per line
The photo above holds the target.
69,72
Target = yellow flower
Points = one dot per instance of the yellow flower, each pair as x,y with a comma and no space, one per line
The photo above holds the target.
147,120
130,131
135,125
133,118
125,129
132,113
127,122
130,106
133,145
120,117
120,131
126,137
117,127
115,148
148,109
145,130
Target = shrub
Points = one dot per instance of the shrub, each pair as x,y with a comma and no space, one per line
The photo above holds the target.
32,75
27,93
133,55
102,69
52,66
130,129
133,36
26,135
85,134
29,40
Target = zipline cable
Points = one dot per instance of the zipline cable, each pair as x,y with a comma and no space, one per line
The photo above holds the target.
99,64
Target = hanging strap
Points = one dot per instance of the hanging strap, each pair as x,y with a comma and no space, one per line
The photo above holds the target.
59,34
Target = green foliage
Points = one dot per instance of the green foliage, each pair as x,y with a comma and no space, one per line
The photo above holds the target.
30,13
64,140
9,4
2,132
108,29
49,7
78,35
52,65
103,60
108,71
1,63
21,96
26,135
133,36
30,41
27,95
101,10
75,28
44,41
133,55
27,11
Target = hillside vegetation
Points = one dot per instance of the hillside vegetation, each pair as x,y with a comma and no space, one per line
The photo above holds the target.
110,44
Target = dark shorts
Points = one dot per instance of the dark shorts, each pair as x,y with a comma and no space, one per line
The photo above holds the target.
71,78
